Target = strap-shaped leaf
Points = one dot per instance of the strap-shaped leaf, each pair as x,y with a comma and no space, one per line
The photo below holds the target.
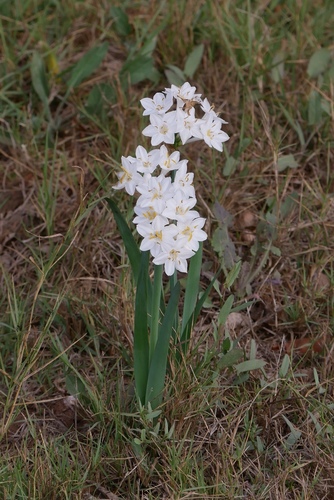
155,308
191,294
130,244
141,344
157,373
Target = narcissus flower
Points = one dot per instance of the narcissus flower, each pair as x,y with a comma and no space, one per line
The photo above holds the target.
162,128
174,257
128,177
164,215
160,104
213,135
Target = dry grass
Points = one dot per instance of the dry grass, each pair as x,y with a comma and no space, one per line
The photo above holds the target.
70,428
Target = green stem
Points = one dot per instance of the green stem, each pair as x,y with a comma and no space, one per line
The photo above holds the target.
173,282
155,316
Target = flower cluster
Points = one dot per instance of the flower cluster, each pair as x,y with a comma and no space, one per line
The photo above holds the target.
167,122
165,218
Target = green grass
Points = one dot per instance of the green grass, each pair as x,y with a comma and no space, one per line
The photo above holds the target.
70,428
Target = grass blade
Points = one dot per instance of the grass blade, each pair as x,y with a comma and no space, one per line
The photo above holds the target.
39,80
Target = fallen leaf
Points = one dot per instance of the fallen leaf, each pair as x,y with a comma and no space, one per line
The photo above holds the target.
302,346
247,219
235,320
320,281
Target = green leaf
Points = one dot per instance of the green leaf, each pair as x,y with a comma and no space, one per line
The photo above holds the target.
175,75
130,244
251,364
94,104
87,65
253,349
275,251
39,78
208,304
230,166
317,425
277,71
224,246
121,20
284,366
286,161
222,215
139,69
155,309
225,310
200,304
244,143
233,274
226,345
6,8
288,204
192,287
193,60
100,98
74,385
294,434
318,62
140,344
157,372
326,107
149,46
230,358
314,108
294,124
243,306
331,72
203,298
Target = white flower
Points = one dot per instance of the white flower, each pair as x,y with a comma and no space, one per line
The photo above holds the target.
188,125
174,256
155,235
147,162
171,161
184,93
178,207
190,232
128,178
184,181
147,214
213,135
162,128
209,112
155,191
160,104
